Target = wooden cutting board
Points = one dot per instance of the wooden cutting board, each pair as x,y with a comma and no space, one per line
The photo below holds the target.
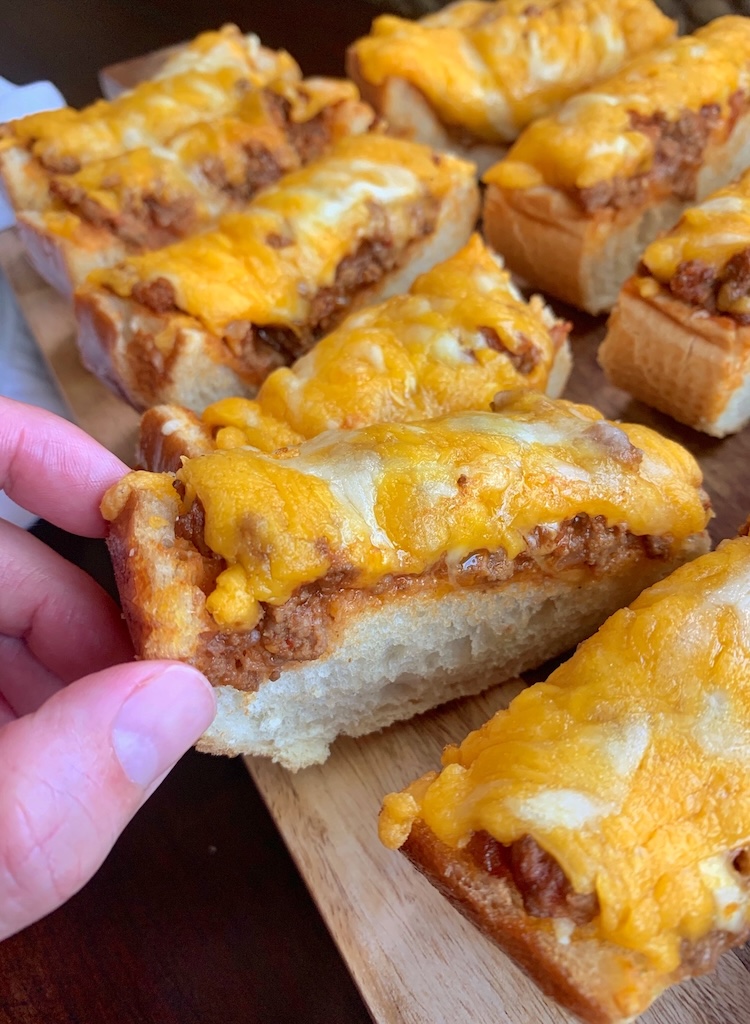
415,960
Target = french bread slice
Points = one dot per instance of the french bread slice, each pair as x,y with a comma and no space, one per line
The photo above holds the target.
534,209
141,200
462,334
347,652
150,357
597,828
550,241
468,78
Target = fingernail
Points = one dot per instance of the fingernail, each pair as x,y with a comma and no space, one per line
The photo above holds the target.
160,720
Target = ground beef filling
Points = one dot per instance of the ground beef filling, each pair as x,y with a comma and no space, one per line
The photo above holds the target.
545,891
303,627
715,289
679,147
526,357
538,878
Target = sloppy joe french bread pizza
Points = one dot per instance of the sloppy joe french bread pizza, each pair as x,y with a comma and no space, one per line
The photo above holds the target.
599,828
150,197
582,192
365,576
461,334
208,81
470,77
213,314
679,336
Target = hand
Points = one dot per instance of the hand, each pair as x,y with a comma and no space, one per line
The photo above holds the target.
78,756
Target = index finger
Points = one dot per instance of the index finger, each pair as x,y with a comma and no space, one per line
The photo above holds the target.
54,469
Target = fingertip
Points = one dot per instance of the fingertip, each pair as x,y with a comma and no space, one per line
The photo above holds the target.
160,720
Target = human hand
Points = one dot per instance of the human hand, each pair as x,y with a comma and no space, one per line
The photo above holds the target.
86,734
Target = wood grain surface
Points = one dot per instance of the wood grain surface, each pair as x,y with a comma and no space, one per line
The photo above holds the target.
412,956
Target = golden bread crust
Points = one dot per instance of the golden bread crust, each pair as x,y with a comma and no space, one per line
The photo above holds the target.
679,359
583,974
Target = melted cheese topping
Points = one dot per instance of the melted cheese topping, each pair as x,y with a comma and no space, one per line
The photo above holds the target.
227,47
590,138
413,357
494,67
396,498
324,210
630,765
148,115
179,169
712,232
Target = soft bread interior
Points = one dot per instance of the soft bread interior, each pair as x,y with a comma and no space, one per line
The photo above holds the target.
410,655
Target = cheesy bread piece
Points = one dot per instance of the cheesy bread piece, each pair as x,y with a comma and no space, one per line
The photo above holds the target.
679,336
470,77
151,197
367,575
210,316
197,89
599,828
583,191
225,47
461,334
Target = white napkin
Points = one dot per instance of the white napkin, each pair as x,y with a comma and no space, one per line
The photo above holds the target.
17,101
23,373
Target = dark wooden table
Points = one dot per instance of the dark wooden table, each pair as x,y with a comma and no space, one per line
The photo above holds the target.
199,914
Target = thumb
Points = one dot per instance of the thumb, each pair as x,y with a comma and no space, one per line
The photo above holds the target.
73,774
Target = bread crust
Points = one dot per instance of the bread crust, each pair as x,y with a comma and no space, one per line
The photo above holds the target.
585,974
680,359
372,670
123,342
167,433
409,115
25,182
585,258
65,262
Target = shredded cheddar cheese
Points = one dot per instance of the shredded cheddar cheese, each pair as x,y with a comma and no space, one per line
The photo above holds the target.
153,112
492,68
630,765
319,214
591,139
449,344
396,498
712,232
